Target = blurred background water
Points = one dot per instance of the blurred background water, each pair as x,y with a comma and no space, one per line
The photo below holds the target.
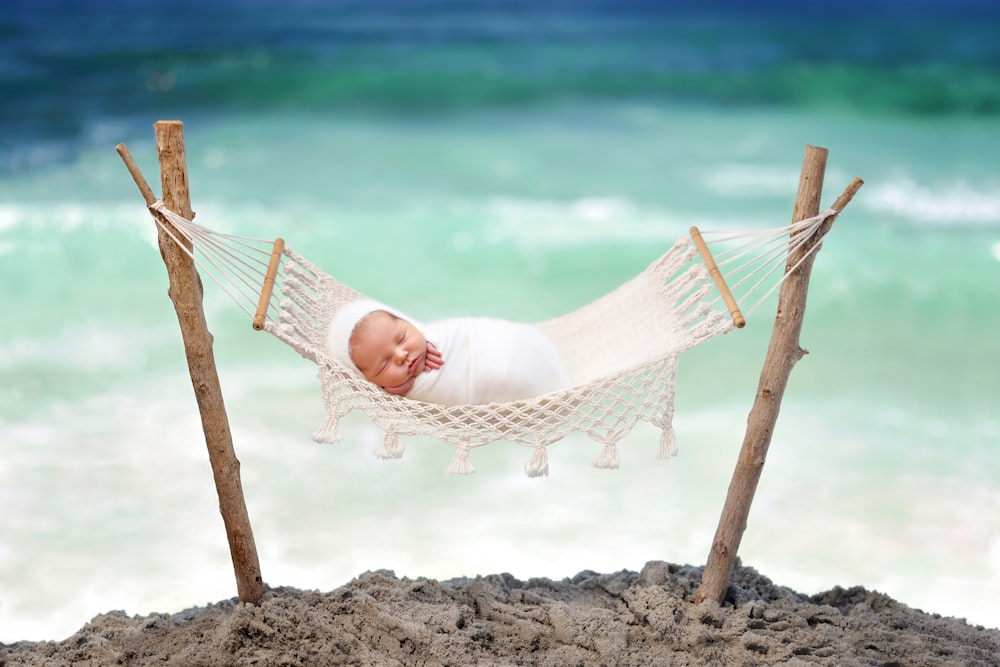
515,159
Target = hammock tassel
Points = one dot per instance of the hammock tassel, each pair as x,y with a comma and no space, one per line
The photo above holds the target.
668,443
391,447
538,466
329,432
461,464
609,457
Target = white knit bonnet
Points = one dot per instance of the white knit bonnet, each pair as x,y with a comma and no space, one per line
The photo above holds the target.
346,320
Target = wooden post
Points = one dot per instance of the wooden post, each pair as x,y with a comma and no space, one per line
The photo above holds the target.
782,354
186,293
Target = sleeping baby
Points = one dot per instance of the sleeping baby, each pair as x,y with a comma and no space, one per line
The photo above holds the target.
467,360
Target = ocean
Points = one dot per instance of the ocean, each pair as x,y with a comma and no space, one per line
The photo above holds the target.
514,159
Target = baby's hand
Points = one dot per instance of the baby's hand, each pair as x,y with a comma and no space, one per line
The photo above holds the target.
433,360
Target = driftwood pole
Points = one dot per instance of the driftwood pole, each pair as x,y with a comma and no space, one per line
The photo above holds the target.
186,293
782,354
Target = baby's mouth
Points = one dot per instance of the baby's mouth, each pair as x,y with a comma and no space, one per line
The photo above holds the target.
413,365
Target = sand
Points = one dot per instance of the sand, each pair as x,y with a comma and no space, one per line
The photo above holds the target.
622,618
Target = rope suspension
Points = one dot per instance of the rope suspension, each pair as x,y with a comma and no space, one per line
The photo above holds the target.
760,254
249,270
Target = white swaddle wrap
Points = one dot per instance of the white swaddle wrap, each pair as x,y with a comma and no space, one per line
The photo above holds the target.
486,360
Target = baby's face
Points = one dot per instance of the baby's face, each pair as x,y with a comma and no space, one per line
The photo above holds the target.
389,351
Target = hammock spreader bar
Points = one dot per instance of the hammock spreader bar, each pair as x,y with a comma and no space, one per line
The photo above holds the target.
720,282
268,287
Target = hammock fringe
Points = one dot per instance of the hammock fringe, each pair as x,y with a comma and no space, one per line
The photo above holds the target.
391,447
329,432
538,465
461,463
668,443
608,458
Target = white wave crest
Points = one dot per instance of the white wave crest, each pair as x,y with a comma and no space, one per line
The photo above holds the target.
546,222
949,204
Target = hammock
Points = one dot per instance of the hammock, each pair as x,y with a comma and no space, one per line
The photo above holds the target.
665,310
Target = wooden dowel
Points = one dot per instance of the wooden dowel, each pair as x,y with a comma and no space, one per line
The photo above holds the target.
720,282
268,288
133,168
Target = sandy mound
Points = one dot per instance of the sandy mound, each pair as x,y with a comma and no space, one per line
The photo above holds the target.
624,618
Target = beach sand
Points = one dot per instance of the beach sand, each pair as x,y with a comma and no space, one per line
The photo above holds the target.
622,618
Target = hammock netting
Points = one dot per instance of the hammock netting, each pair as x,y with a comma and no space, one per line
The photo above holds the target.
621,349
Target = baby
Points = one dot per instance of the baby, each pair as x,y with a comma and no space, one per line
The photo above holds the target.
472,360
391,352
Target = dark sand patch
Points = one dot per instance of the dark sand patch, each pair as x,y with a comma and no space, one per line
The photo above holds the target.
623,618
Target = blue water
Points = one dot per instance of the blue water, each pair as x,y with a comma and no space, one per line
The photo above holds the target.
517,160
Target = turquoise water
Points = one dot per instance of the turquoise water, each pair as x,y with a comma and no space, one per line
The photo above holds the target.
516,163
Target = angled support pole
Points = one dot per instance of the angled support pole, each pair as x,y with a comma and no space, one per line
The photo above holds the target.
186,293
782,354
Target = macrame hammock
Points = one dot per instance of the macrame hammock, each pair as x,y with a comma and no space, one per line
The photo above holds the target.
667,309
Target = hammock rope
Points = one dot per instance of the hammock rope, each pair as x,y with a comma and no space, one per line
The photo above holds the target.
767,249
662,312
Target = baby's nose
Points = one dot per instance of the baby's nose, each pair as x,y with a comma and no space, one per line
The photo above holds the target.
401,355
